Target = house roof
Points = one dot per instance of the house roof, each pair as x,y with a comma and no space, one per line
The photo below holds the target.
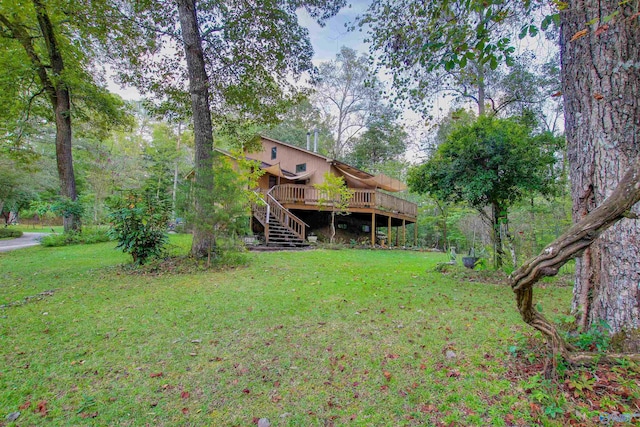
352,173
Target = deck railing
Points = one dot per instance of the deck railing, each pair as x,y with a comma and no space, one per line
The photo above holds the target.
374,199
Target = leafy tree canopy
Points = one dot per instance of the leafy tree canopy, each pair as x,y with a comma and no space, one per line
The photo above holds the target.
445,46
488,161
253,53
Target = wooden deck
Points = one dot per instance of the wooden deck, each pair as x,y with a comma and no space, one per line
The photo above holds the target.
304,197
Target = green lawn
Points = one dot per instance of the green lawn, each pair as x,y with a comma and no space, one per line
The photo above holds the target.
315,338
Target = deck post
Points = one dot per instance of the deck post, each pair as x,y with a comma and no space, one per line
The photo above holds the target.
404,232
389,230
415,233
373,229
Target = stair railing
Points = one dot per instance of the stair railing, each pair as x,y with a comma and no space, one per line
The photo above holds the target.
284,216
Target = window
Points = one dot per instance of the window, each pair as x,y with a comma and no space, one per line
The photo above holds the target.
274,152
301,168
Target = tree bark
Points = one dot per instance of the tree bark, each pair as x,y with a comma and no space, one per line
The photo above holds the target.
572,243
497,235
601,83
59,98
203,235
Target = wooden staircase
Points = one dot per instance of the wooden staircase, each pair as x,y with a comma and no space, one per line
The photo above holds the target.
281,227
281,236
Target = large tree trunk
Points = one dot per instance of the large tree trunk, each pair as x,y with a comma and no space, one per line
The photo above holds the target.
203,235
601,83
61,102
573,242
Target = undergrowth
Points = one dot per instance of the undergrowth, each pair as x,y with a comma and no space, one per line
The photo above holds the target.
86,236
9,233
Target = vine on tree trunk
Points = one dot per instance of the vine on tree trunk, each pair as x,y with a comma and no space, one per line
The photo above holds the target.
571,244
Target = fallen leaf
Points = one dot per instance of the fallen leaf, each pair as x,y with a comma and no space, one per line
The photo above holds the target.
392,356
246,391
185,395
426,409
453,374
535,409
185,411
25,405
42,408
387,375
598,97
579,34
88,414
156,374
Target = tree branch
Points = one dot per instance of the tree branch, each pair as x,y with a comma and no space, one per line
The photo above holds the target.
572,243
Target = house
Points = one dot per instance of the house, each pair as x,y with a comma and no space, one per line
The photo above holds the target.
292,209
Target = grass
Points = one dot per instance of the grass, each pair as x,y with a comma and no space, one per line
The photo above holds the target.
324,337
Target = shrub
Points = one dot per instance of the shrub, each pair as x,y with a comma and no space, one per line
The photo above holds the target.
7,233
86,236
139,224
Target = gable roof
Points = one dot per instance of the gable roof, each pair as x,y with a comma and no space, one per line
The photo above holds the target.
350,172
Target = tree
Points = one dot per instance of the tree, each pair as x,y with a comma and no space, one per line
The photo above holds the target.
236,67
598,40
297,121
384,140
602,112
448,48
348,95
51,49
16,191
334,194
490,163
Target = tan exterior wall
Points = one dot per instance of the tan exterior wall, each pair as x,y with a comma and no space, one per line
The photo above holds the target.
289,157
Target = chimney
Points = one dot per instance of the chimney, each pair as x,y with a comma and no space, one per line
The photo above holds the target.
308,140
315,140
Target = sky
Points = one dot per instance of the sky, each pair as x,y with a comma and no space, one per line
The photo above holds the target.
328,40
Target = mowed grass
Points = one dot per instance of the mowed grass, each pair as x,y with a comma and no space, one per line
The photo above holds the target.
315,338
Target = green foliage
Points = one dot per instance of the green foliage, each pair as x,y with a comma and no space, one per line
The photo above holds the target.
227,205
350,99
384,140
9,233
334,195
299,119
489,161
85,237
450,45
139,224
597,338
65,207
